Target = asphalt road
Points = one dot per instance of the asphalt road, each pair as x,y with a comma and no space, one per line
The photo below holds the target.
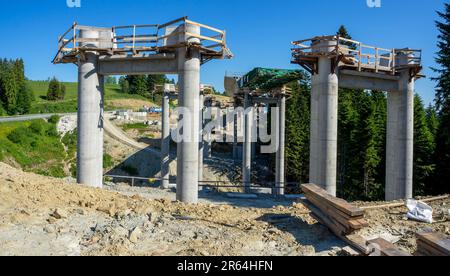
23,118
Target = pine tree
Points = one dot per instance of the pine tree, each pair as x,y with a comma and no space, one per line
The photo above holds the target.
138,85
443,103
423,149
9,88
124,85
2,71
24,94
297,133
432,121
56,90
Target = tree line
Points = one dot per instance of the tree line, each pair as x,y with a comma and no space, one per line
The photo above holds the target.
15,95
143,85
362,134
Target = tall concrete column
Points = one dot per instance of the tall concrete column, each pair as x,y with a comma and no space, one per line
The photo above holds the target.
255,122
188,148
247,152
208,143
202,140
90,117
400,140
165,142
324,112
235,137
280,175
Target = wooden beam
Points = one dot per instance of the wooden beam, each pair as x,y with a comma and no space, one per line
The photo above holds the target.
338,203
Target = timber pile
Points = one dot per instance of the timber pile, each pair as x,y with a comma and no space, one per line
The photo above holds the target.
432,244
338,215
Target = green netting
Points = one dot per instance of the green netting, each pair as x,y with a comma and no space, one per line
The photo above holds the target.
266,78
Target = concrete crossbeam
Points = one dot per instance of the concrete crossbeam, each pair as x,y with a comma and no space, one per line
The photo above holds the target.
154,64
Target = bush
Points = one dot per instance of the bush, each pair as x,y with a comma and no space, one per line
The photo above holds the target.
2,111
107,161
52,131
54,119
37,127
19,135
70,141
57,171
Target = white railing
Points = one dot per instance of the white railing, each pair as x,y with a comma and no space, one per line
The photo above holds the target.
141,38
355,54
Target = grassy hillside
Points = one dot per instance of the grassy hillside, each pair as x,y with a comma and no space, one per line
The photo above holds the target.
34,146
113,98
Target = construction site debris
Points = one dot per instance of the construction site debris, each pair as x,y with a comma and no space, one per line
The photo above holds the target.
419,211
401,204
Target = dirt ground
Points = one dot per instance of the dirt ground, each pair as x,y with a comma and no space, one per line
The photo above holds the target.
45,216
129,103
393,225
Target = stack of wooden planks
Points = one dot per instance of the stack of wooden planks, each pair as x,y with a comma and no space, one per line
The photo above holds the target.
338,215
432,244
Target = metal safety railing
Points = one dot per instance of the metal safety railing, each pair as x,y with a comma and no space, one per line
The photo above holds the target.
216,184
137,39
355,54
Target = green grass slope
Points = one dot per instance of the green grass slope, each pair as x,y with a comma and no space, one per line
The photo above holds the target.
69,105
35,146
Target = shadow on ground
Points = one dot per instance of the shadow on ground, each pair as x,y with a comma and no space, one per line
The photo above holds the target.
314,235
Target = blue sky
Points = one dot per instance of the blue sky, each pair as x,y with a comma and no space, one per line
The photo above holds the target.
259,32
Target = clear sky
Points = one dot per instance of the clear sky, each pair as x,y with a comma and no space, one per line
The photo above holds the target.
259,32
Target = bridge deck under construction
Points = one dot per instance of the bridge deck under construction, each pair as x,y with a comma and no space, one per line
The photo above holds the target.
141,41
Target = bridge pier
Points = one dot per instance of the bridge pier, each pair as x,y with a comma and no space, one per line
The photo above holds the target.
400,140
90,117
165,142
324,120
280,178
391,70
188,148
202,140
247,151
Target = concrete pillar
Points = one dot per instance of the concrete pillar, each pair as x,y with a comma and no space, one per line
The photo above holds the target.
280,171
188,148
247,152
400,140
90,117
324,112
235,138
255,122
202,141
165,142
208,143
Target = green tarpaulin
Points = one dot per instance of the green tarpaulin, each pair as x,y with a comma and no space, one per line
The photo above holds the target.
265,78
